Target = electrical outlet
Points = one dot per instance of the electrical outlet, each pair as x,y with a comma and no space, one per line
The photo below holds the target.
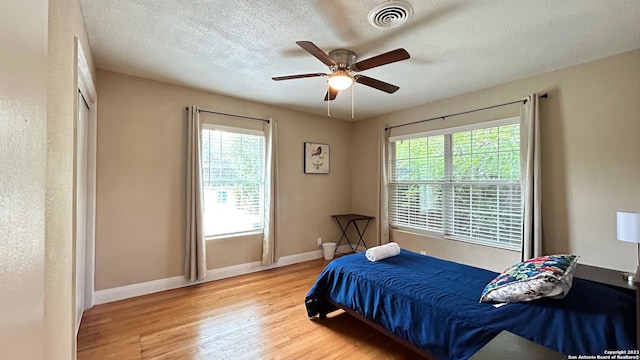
422,252
319,241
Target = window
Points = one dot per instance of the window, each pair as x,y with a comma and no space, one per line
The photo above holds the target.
461,183
233,163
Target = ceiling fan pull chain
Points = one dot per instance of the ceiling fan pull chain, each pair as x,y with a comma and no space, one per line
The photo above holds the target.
328,101
352,111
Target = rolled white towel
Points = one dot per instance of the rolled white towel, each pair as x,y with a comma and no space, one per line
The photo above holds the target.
377,253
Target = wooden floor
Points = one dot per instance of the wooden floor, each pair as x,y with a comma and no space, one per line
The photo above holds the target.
254,316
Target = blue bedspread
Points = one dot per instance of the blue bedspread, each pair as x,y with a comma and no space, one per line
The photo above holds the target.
433,304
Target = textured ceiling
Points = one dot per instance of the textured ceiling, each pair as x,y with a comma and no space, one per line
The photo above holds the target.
235,47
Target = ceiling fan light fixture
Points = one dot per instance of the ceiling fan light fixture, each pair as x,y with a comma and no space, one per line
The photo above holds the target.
340,80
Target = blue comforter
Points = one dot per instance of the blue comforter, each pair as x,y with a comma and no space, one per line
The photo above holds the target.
433,304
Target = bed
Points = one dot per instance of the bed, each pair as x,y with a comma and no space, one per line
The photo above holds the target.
432,306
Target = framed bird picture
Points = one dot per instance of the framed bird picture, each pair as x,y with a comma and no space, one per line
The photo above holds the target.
316,158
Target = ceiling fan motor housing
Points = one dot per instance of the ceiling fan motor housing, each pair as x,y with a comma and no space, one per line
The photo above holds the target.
343,57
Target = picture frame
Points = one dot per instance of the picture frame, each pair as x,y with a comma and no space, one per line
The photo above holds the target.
316,158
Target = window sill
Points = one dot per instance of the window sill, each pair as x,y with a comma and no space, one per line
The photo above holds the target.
234,235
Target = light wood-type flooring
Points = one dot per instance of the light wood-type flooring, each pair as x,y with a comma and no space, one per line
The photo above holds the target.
254,316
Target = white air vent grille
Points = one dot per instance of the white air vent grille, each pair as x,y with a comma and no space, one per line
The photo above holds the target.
390,14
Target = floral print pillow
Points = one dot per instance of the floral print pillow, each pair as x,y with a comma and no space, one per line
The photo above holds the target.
545,276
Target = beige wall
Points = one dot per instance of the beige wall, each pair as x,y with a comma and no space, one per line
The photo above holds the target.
141,189
65,24
37,98
23,102
590,159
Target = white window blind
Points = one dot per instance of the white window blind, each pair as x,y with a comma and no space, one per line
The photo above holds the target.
461,183
233,180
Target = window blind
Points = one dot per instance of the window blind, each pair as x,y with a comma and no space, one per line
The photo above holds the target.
233,180
461,183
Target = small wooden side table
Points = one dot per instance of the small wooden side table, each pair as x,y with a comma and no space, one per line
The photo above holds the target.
344,220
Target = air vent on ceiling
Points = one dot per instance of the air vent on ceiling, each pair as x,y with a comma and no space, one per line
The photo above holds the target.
390,14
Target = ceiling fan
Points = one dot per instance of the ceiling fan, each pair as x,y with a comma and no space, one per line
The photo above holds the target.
342,63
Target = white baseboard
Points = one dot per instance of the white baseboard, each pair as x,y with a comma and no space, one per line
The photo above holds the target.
149,287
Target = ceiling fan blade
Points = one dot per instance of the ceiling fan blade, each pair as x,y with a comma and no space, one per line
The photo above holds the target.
315,51
382,59
289,77
331,94
376,84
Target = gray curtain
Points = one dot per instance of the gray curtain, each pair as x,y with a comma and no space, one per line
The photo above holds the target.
531,178
195,264
383,189
269,244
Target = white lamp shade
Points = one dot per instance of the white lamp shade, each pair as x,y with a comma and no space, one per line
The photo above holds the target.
628,226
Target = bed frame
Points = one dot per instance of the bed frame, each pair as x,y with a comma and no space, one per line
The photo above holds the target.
426,355
423,353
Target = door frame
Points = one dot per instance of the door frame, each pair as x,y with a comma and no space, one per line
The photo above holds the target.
86,86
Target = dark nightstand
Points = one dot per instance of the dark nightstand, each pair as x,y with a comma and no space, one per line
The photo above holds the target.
507,346
602,275
612,278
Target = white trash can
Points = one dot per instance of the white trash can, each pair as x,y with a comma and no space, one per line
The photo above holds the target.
328,248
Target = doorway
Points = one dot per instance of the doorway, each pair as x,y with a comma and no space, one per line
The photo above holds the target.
84,215
82,166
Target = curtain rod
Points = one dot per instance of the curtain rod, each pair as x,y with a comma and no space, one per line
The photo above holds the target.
232,115
462,113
